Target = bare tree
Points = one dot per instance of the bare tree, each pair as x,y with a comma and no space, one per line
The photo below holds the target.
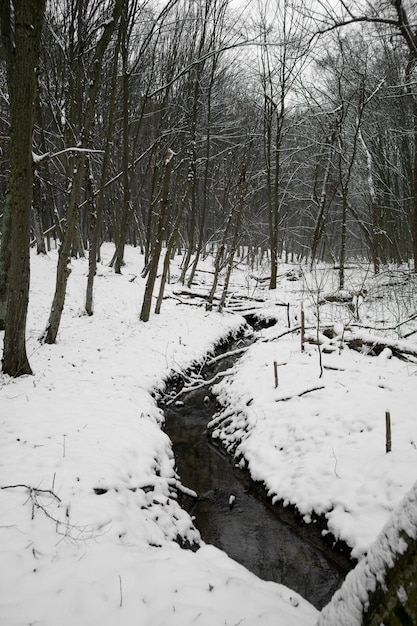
78,175
399,19
21,28
280,68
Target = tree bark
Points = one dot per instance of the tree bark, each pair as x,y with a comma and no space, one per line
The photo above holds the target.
21,35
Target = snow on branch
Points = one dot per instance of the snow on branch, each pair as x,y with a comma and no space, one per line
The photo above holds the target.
40,159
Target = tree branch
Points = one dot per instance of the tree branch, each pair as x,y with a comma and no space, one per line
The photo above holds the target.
41,159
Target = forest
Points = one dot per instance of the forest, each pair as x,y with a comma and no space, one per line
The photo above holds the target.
285,130
208,274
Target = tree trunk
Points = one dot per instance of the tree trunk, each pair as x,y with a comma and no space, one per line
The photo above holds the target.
173,238
156,252
375,213
4,259
36,217
218,263
120,229
22,43
240,203
342,257
95,233
321,203
414,198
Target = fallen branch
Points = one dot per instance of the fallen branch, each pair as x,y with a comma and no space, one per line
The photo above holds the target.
192,294
226,355
202,384
286,332
298,395
35,490
33,496
63,527
171,297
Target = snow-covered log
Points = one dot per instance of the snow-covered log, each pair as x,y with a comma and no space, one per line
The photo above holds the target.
356,340
382,589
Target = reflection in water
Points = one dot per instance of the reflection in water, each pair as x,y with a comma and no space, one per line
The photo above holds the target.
229,514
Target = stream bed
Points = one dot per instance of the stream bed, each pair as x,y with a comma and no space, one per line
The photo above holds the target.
234,514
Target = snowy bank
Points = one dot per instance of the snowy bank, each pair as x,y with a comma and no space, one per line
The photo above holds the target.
317,440
89,517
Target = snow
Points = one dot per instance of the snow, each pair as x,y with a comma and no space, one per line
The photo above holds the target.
88,509
318,440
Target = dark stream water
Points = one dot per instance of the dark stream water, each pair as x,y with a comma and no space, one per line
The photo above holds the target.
234,514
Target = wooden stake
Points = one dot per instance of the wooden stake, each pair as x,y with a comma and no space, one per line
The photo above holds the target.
302,328
276,374
387,432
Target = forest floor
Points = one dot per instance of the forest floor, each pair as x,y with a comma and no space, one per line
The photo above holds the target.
88,511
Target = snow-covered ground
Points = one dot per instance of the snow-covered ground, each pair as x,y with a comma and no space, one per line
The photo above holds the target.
88,515
318,440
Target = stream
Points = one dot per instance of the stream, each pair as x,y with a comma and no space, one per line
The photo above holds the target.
234,514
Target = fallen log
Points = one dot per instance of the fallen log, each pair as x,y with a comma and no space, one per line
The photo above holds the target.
400,348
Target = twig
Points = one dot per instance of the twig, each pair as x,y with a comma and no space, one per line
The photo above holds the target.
69,531
33,490
298,395
335,464
295,329
121,591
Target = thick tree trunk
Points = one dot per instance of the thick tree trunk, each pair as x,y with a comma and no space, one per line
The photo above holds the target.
22,59
414,200
4,259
